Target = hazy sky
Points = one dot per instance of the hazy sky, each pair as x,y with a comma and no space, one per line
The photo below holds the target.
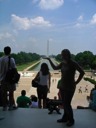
27,25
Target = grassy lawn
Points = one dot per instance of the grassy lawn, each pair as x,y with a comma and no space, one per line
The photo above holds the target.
34,66
24,66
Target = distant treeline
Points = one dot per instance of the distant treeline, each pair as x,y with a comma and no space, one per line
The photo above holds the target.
23,57
86,59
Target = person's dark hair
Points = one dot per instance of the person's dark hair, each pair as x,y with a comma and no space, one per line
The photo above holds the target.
7,50
44,69
66,54
34,98
23,92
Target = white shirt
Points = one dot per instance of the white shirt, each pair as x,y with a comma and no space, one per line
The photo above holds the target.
34,104
4,66
44,79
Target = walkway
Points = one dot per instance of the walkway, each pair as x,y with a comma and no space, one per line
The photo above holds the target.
39,118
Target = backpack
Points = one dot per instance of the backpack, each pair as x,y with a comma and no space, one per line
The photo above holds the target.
12,75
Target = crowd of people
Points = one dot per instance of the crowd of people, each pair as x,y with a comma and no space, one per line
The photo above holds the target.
66,85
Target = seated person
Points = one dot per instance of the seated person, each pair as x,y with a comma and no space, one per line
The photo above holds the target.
52,104
92,103
23,101
91,99
34,102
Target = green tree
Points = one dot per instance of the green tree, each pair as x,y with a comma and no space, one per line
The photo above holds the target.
92,81
85,59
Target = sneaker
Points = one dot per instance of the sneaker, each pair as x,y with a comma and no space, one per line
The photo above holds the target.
58,111
61,121
50,113
12,108
70,123
15,107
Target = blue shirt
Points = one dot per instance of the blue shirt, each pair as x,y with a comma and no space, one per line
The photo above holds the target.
93,102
